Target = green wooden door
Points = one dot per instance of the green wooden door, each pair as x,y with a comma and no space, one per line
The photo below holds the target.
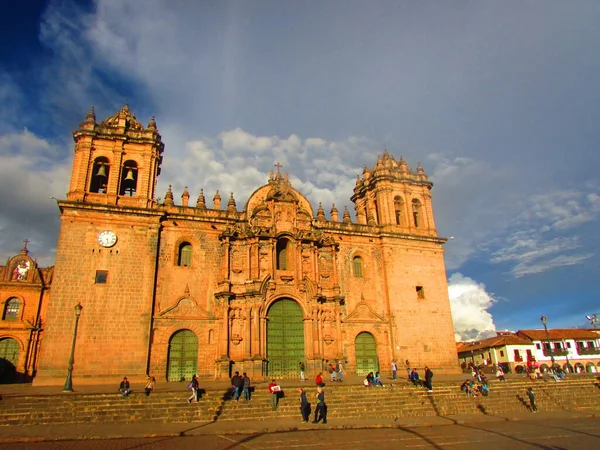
183,356
9,350
285,338
366,354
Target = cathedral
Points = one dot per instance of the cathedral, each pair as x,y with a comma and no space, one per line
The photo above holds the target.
173,288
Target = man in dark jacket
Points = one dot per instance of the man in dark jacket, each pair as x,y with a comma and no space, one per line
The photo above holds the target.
124,387
237,384
304,406
428,377
321,409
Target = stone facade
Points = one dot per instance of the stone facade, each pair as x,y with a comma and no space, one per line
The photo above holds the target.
176,289
24,296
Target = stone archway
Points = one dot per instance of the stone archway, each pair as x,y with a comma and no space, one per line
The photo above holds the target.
182,359
285,338
366,354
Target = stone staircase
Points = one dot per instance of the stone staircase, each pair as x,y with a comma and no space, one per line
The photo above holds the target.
344,401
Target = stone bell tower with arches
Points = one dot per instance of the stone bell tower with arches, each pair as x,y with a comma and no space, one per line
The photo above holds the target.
117,161
106,252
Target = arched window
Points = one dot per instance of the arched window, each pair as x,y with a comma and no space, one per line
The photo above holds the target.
185,254
100,172
416,207
282,254
129,177
11,309
398,207
357,266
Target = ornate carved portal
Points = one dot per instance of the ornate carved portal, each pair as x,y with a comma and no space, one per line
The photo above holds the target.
279,284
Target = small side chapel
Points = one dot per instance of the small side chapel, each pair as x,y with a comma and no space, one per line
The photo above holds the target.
177,288
24,295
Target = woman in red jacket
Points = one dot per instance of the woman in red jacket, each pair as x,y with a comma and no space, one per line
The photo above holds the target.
319,380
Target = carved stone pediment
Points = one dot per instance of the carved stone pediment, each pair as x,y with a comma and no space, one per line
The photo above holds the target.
363,314
185,307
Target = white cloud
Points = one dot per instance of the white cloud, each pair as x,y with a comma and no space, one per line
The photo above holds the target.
532,244
29,176
238,161
470,303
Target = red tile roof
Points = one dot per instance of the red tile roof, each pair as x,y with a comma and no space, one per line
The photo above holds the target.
496,341
556,334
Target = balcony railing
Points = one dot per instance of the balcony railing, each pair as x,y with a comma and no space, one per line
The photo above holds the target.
582,351
555,352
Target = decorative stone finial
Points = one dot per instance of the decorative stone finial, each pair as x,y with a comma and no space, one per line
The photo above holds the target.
334,213
152,124
347,218
231,204
201,202
91,116
185,197
320,213
217,200
169,197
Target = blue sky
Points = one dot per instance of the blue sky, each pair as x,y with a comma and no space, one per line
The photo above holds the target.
500,102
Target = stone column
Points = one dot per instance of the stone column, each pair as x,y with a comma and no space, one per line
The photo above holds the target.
247,332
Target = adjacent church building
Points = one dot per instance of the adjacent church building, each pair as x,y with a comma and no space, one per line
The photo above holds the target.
206,286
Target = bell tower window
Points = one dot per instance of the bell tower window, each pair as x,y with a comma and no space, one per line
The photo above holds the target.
100,172
185,255
398,206
416,207
357,266
282,254
129,177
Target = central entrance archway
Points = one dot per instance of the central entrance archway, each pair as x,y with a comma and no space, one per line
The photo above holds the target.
183,356
285,338
366,354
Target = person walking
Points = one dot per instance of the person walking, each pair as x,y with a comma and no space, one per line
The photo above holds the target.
340,371
193,386
149,386
246,386
407,364
531,396
428,377
237,383
274,390
304,406
321,409
302,370
395,369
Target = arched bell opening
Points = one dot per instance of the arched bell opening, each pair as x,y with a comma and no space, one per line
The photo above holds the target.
129,179
100,173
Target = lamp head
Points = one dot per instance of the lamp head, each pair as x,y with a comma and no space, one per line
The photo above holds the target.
78,309
543,319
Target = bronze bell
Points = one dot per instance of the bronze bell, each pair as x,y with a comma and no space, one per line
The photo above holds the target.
129,176
101,171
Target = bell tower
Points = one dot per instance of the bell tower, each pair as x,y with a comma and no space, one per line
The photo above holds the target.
116,162
394,197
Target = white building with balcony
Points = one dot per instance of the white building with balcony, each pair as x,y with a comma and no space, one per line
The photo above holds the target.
575,350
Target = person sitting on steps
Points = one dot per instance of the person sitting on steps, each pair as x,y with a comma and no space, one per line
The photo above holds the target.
124,388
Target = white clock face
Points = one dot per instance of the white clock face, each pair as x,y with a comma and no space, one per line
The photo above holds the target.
107,238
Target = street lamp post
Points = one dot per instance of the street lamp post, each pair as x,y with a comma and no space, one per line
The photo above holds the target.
543,319
566,356
69,381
